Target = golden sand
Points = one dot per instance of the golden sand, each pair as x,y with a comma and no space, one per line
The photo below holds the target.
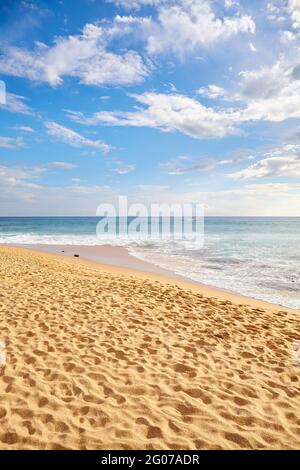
101,358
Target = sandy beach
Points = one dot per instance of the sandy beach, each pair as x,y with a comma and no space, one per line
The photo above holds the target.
108,357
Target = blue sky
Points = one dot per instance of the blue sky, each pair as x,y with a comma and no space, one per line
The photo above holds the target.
163,101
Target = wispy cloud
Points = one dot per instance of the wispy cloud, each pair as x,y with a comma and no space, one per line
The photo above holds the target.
152,187
70,137
62,165
18,177
211,91
135,4
278,162
90,189
184,165
16,104
168,112
11,142
20,183
26,129
123,168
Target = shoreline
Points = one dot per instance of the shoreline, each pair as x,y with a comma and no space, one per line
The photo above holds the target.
119,257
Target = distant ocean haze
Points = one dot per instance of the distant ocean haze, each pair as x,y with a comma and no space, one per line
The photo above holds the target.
253,256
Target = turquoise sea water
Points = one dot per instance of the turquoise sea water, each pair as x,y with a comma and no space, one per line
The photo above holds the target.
254,256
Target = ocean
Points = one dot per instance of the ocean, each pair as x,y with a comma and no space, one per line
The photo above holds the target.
254,256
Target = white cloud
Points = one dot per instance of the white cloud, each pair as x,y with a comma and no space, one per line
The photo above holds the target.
281,10
286,37
26,129
124,169
134,4
294,10
175,163
18,184
73,138
276,11
11,142
24,184
265,82
231,3
271,92
181,26
152,187
19,195
283,162
271,187
167,112
62,165
83,56
184,165
179,166
90,189
17,177
16,104
187,25
211,91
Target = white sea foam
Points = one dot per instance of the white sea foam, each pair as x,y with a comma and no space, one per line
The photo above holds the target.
84,240
277,286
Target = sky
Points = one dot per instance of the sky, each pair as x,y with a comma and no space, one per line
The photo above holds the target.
168,101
